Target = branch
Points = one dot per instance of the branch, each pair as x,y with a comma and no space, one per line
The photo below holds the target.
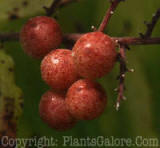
121,77
50,10
136,41
73,37
151,25
57,4
146,39
108,15
9,37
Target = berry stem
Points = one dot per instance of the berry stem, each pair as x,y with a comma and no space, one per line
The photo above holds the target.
108,15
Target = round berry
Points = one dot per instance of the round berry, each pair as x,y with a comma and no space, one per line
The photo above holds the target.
40,35
86,100
58,69
53,111
94,55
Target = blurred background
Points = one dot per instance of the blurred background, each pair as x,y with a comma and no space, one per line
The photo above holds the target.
139,115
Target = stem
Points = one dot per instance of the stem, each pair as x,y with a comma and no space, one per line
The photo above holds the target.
9,37
108,15
57,4
123,70
51,9
73,37
151,25
136,41
146,40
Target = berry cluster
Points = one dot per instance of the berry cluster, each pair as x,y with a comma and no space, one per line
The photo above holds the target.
71,74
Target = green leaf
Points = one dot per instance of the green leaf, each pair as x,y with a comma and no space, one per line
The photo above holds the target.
11,99
21,8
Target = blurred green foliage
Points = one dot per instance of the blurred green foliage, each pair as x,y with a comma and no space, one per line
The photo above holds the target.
11,98
139,115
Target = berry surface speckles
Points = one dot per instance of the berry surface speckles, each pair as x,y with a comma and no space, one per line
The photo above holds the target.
58,69
86,100
40,35
53,111
94,55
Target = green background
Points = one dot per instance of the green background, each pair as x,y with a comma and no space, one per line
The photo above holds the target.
139,115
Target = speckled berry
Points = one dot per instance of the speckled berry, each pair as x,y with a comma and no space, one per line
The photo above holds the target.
58,69
53,111
94,55
40,35
86,100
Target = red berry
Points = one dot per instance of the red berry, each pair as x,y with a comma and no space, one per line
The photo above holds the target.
53,111
94,55
40,35
86,100
58,69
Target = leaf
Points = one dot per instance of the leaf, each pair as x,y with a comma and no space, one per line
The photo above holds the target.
21,8
11,100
